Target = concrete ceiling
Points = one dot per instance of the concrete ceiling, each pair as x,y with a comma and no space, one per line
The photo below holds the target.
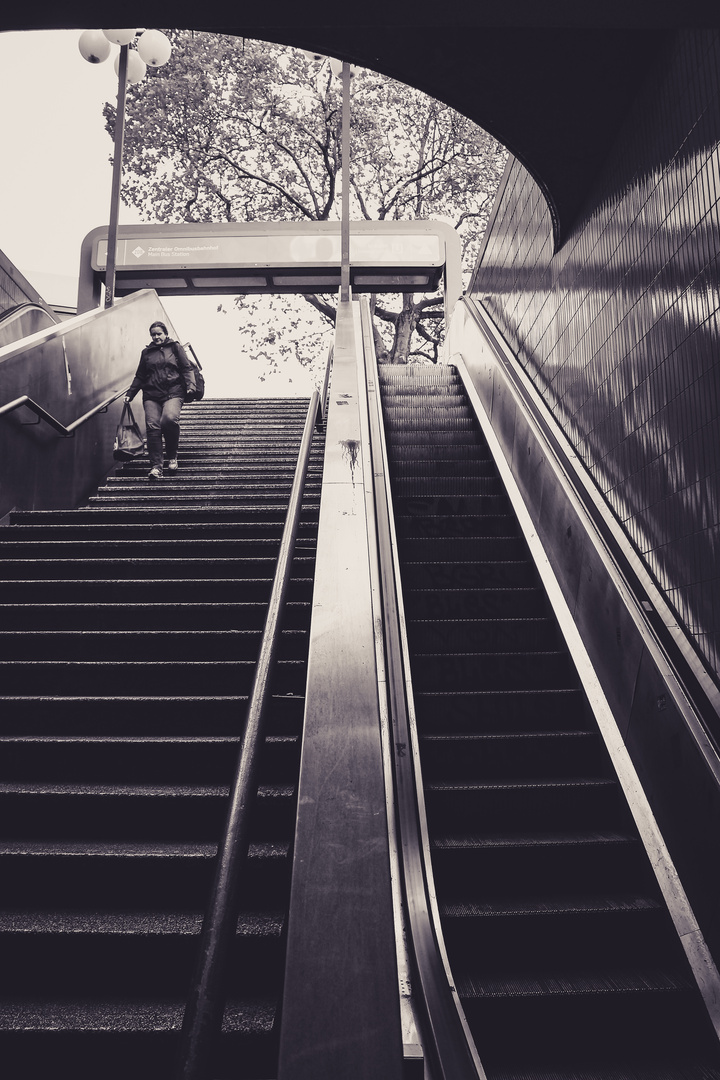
551,80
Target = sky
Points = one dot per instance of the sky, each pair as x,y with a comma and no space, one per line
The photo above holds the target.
55,188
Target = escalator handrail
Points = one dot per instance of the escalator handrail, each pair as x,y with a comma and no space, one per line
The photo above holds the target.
66,431
659,623
21,309
446,1031
204,1010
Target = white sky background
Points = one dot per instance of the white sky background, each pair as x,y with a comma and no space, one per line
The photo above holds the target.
55,187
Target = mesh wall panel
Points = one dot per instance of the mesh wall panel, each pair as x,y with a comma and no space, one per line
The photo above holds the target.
619,328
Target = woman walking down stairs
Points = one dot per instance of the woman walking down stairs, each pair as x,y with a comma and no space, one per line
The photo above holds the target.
130,630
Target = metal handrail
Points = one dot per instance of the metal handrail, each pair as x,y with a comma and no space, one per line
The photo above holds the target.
67,432
20,309
326,384
446,1032
204,1010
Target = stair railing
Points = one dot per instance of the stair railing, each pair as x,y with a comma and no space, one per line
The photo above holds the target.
204,1010
447,1036
67,432
325,387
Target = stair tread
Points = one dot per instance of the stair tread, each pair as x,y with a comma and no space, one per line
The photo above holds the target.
134,699
162,560
113,849
140,740
58,547
139,581
164,922
130,1014
184,634
161,791
115,664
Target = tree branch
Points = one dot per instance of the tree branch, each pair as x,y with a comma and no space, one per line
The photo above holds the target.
322,306
220,155
466,214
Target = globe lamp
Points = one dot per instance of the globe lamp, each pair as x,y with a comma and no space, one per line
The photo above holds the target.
154,48
94,46
136,68
120,37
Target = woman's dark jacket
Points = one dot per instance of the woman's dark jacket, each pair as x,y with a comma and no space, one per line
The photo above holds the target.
164,372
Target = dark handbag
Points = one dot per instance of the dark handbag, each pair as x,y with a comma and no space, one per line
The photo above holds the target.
128,439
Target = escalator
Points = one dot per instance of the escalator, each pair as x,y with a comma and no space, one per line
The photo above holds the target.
562,951
130,631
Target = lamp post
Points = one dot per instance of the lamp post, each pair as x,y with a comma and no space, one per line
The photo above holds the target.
153,49
342,70
345,216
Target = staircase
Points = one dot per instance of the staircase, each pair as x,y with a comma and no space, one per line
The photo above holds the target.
562,952
129,633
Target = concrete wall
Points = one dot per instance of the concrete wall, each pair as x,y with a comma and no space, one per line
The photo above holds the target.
68,369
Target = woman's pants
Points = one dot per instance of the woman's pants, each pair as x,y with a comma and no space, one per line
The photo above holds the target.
162,420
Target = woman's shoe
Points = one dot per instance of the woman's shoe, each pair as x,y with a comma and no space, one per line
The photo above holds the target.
172,464
155,473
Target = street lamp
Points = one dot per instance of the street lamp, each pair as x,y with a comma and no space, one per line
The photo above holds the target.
153,49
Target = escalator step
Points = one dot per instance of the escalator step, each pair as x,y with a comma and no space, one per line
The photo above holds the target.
522,602
591,802
483,635
436,487
478,756
493,671
488,522
504,710
470,574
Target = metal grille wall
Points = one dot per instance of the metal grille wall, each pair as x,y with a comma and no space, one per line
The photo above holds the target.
619,328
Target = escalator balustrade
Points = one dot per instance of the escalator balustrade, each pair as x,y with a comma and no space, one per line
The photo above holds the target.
130,630
561,949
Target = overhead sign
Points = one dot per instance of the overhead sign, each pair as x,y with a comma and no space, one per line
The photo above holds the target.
235,251
230,258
